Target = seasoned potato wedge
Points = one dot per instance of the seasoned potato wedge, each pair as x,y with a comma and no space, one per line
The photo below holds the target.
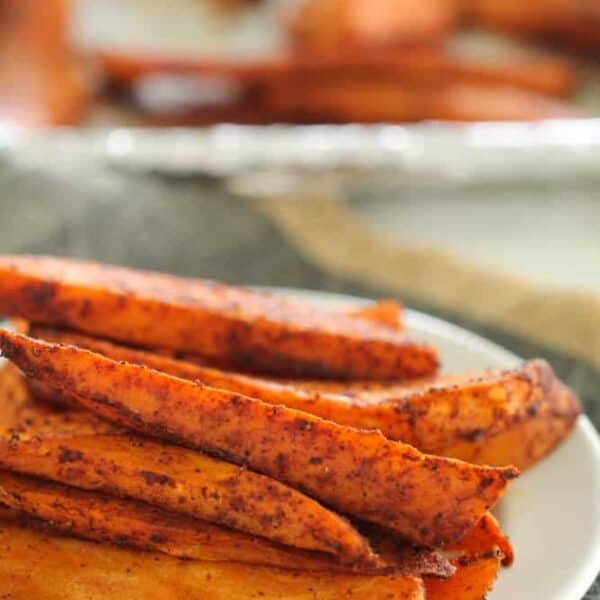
35,564
549,419
14,394
478,558
255,330
105,518
546,75
426,499
19,409
496,417
484,538
378,99
501,102
572,23
335,25
188,482
42,82
473,579
385,312
476,417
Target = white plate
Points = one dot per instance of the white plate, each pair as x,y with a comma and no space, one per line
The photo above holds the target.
552,512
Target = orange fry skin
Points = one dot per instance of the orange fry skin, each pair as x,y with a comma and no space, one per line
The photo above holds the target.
575,24
426,499
111,519
480,554
326,25
37,564
384,99
470,102
185,481
98,517
41,84
257,331
551,76
483,538
473,579
385,312
476,417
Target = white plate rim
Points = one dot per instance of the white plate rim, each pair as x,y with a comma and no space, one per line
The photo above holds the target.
588,570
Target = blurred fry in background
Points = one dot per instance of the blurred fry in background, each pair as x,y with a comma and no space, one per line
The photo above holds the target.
41,82
304,61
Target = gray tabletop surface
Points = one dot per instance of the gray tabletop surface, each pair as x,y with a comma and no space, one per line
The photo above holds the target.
191,227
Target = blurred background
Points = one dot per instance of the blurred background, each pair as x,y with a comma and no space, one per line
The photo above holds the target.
182,62
443,152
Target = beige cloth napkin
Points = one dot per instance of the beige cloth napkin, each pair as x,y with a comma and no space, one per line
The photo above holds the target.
329,233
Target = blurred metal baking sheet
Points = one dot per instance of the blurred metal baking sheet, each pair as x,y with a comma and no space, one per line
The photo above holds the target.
420,153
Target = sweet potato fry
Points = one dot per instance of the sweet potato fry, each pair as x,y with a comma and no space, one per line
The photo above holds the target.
255,330
104,518
413,66
478,557
475,417
185,481
426,499
344,100
382,99
128,69
385,312
35,564
472,102
473,579
510,15
14,394
548,75
18,407
573,23
485,537
548,420
523,444
496,417
41,83
326,25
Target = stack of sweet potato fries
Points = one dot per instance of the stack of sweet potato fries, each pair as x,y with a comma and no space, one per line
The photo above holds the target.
284,450
341,61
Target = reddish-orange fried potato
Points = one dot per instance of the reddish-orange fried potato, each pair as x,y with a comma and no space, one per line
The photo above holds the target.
111,519
574,23
471,102
255,330
549,75
345,100
522,444
127,69
185,481
485,537
385,312
36,564
383,99
473,579
427,499
326,25
473,417
412,66
14,394
40,82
